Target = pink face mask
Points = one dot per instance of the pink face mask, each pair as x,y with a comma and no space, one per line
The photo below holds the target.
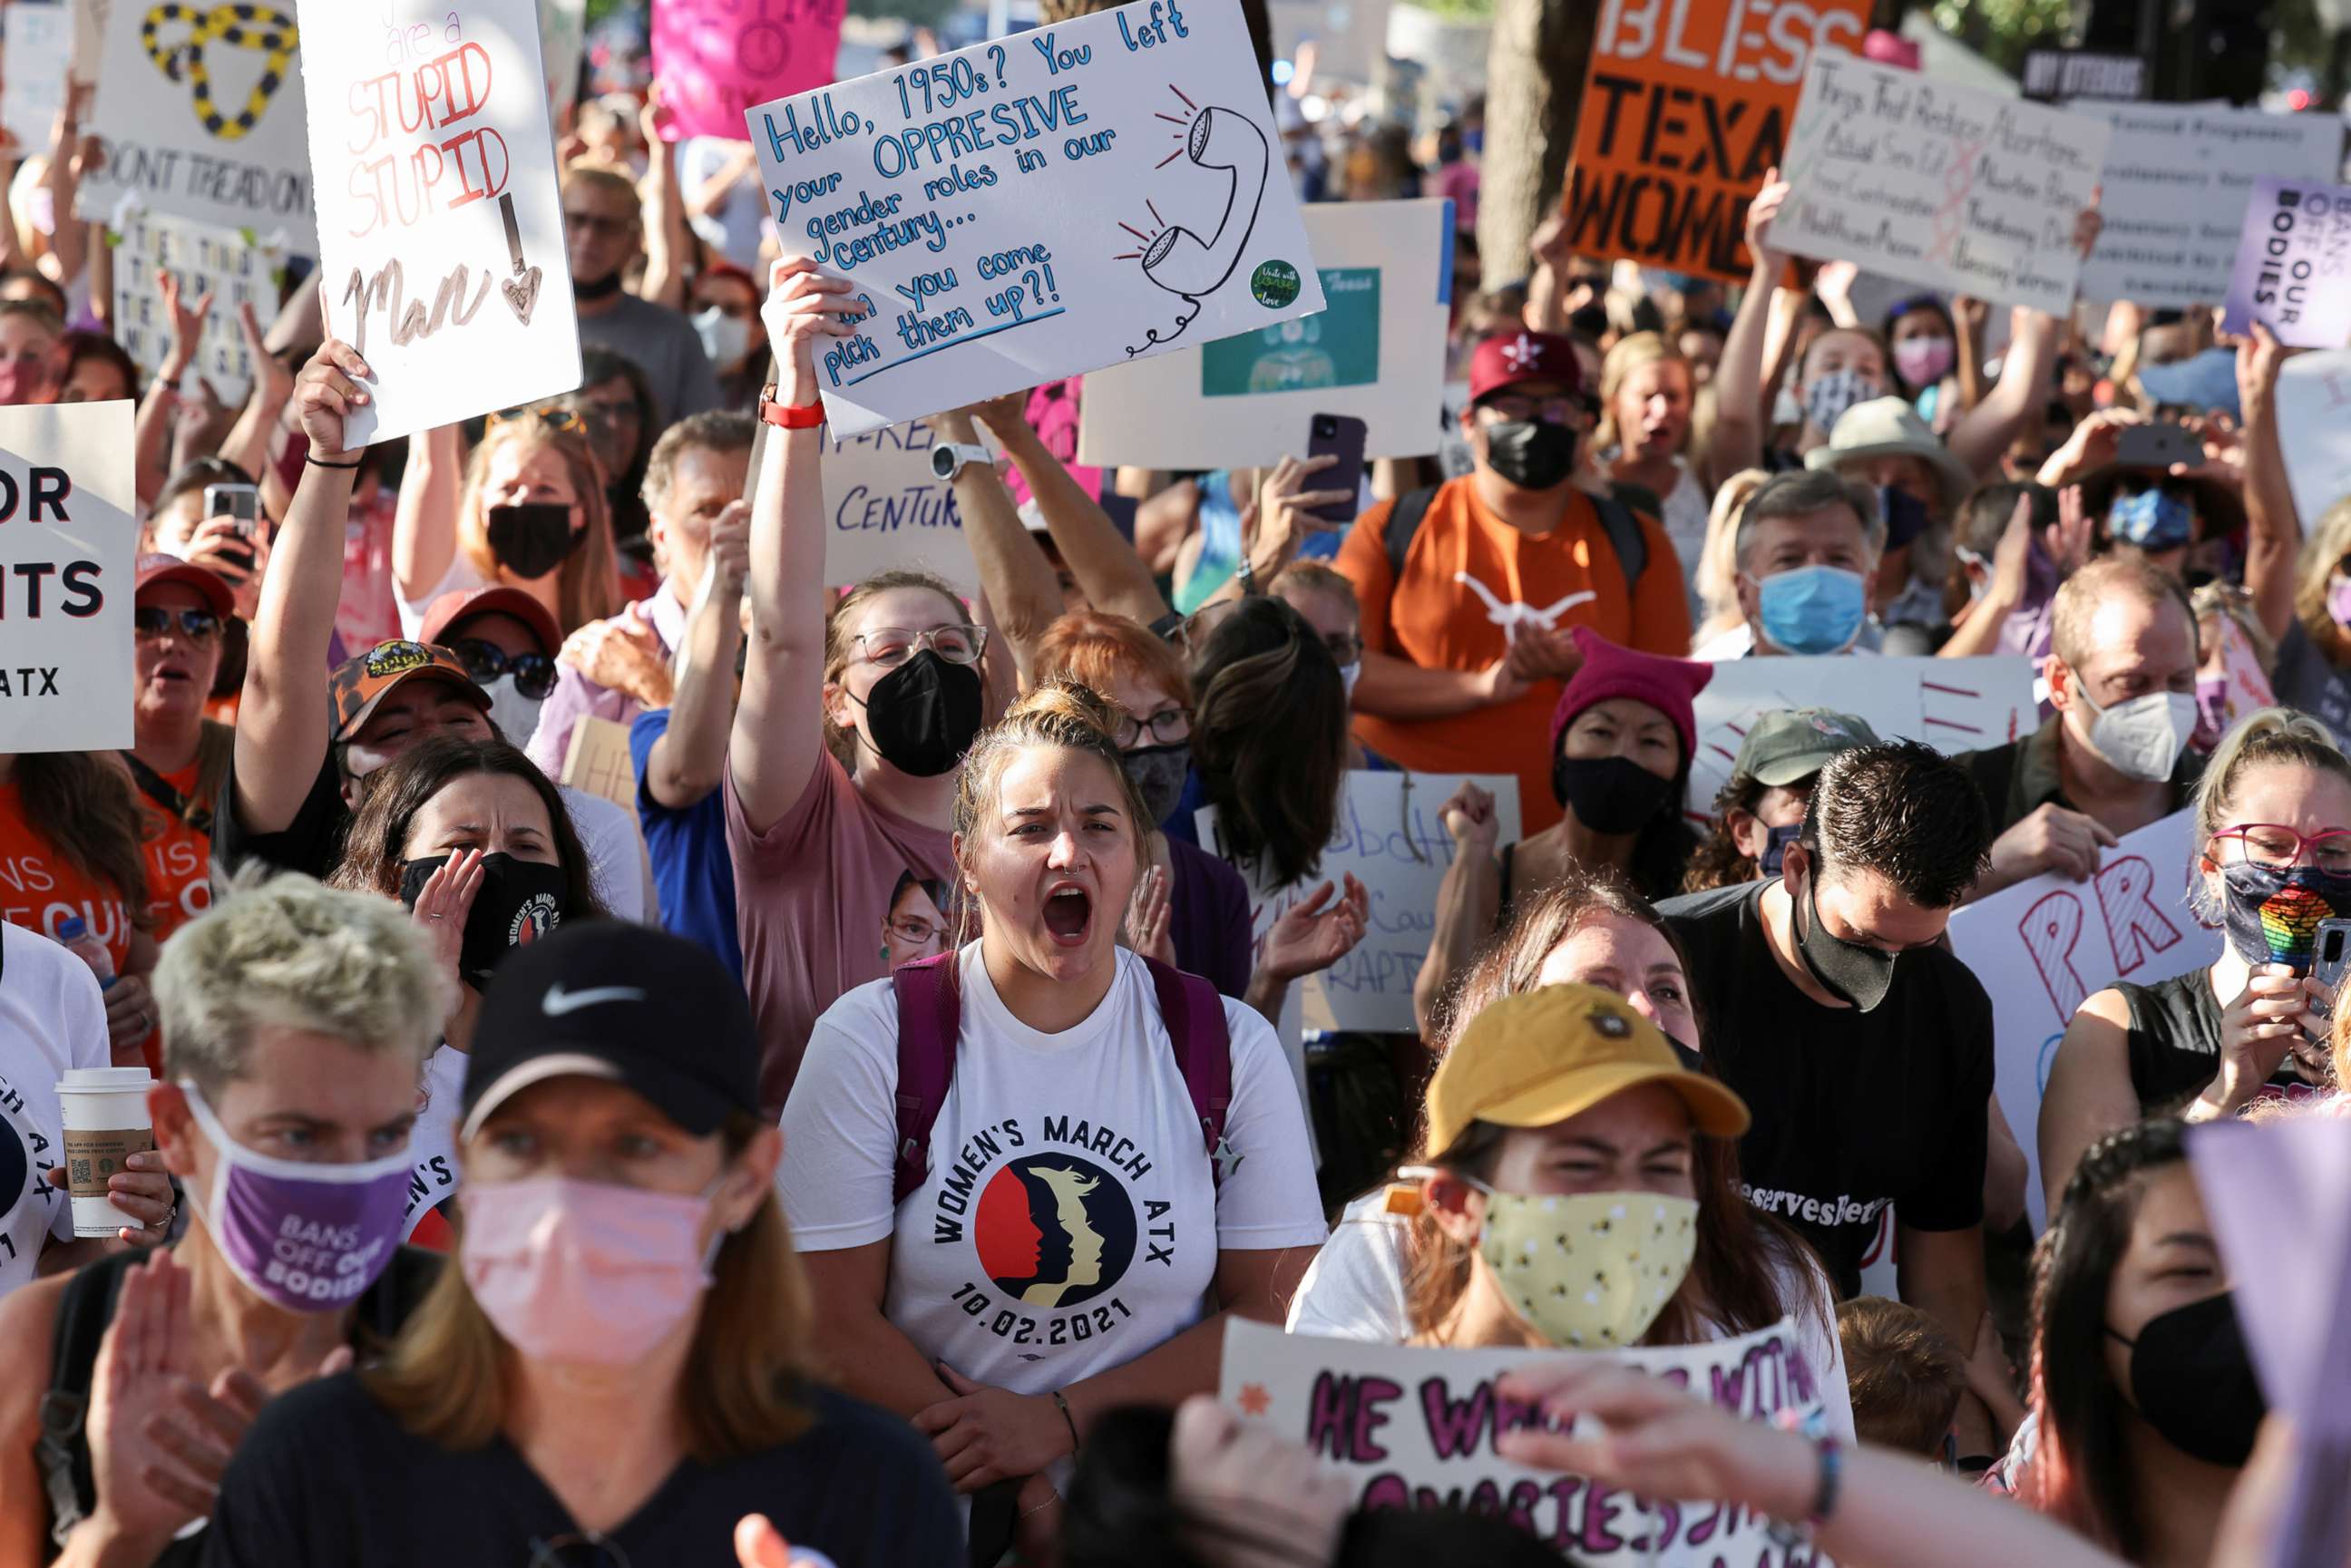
583,1272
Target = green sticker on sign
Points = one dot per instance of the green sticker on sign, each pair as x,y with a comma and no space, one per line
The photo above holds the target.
1275,284
1339,348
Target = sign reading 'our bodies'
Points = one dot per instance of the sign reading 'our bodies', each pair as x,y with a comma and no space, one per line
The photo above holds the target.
1684,111
1080,195
1940,185
69,531
441,238
2293,265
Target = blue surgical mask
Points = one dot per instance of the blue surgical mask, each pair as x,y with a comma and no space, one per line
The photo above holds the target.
2152,519
1812,609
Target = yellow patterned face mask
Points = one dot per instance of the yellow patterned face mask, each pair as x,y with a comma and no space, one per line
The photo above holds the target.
1591,1272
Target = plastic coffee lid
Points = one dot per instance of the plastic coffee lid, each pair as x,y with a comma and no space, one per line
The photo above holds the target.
102,1079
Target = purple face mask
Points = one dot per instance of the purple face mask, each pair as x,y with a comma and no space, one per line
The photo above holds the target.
306,1237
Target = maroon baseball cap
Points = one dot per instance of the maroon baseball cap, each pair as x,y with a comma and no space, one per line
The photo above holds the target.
1512,359
159,568
464,603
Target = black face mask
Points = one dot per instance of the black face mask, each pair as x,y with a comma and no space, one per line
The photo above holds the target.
519,902
925,714
1157,773
1609,794
532,539
1532,454
1853,972
599,288
2191,1379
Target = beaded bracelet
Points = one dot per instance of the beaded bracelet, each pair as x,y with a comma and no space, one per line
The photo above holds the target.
1830,1453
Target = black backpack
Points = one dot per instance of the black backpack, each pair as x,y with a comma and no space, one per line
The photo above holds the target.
1623,529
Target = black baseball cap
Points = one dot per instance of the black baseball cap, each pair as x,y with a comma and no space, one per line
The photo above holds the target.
612,999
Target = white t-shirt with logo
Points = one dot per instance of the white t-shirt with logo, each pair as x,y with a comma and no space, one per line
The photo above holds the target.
1069,1221
52,1019
432,1141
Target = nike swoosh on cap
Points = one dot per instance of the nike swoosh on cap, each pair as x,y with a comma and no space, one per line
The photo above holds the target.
558,1002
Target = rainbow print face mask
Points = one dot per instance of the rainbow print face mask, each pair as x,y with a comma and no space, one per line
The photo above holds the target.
2273,912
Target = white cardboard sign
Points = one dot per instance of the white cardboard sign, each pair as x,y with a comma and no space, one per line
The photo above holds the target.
1375,353
440,234
201,116
205,260
2173,195
1415,1427
2313,415
883,506
1077,197
33,89
2044,946
90,18
1953,705
68,543
1950,187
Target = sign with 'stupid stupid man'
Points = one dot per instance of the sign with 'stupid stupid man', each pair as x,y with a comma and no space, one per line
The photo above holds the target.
1077,197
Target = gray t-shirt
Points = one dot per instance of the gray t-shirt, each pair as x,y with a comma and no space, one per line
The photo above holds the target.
2304,680
662,343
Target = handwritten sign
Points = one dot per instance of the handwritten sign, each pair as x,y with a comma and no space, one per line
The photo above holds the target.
2248,688
2293,265
2044,946
2314,414
1414,1428
1686,109
442,238
1080,195
203,260
716,58
1377,353
67,563
885,506
1950,187
599,763
200,109
562,41
2175,188
1953,705
33,89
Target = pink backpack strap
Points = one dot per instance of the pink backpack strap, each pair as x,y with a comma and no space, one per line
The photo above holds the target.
1194,1015
929,1014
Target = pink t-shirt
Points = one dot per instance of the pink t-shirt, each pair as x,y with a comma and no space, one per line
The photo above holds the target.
811,897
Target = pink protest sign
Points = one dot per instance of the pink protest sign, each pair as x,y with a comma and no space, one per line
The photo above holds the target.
716,58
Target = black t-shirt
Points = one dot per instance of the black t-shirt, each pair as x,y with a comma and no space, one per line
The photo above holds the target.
1853,1111
312,844
2173,1043
327,1476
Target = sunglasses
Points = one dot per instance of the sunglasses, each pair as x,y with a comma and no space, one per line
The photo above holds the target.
196,625
534,673
554,415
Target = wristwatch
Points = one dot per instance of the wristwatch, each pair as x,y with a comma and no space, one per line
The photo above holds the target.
949,458
784,416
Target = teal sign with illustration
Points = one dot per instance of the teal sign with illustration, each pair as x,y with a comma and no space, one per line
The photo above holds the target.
1339,348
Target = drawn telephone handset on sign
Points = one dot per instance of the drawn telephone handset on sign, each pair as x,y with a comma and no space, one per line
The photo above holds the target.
1176,258
265,29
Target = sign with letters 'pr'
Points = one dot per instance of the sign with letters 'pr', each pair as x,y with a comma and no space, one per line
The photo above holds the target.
1684,110
68,538
1414,1428
1079,195
440,236
1944,187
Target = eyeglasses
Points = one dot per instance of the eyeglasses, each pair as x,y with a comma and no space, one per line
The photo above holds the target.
196,625
534,673
1166,727
2270,844
913,928
597,224
891,646
554,415
1346,648
577,1551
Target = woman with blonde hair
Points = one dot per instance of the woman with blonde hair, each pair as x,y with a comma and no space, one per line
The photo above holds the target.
1647,399
525,509
615,1368
1028,1179
1715,578
2272,860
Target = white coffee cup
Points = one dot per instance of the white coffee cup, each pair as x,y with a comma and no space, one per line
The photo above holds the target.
106,1122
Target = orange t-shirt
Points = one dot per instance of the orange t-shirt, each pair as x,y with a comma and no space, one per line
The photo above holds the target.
1437,622
39,887
179,859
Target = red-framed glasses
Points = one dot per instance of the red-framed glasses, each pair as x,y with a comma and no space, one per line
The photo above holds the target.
2272,844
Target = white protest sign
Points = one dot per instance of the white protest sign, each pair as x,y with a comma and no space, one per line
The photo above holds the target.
2043,946
1946,186
33,71
203,260
1376,353
90,17
1953,705
2173,194
885,506
1391,839
1080,195
200,111
68,543
2314,417
1415,1427
562,40
440,236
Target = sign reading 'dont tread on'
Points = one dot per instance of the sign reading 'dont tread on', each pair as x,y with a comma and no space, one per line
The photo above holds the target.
1076,197
68,533
1684,110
